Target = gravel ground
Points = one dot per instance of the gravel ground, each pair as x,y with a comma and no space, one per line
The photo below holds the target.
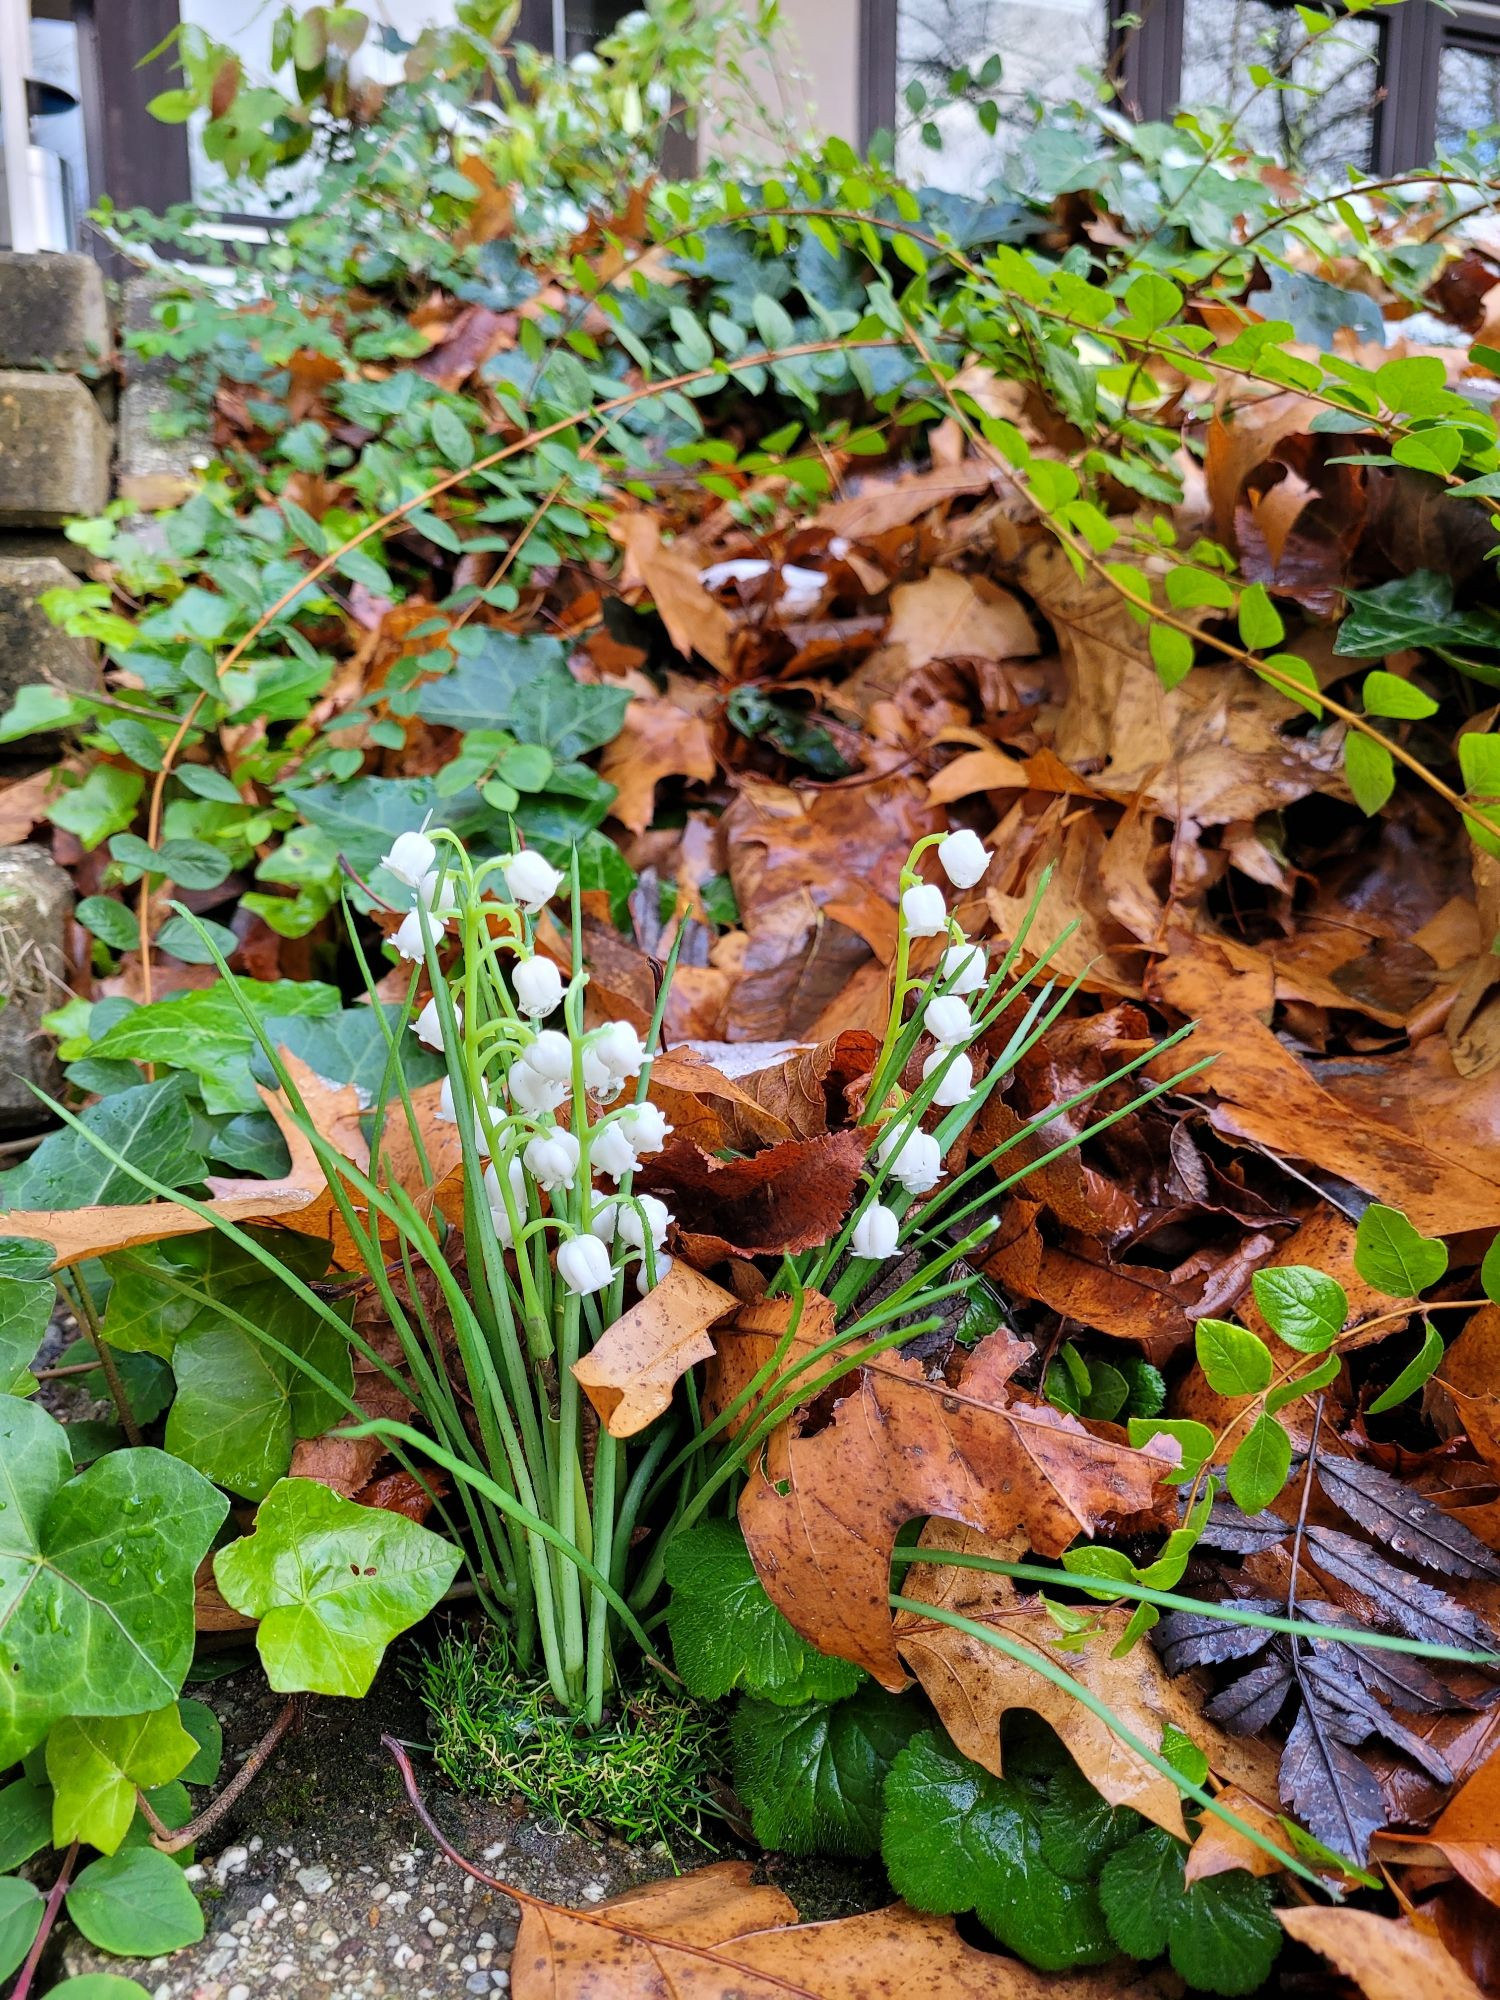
321,1885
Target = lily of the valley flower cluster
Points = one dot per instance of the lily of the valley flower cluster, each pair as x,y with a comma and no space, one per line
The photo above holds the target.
509,1076
907,1155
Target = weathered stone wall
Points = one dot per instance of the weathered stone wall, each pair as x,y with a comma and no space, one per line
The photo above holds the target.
56,461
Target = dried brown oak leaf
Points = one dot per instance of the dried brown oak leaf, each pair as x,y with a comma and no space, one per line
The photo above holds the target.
822,1509
1386,1960
713,1934
789,1197
972,1685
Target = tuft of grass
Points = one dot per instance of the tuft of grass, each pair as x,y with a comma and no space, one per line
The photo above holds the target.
645,1773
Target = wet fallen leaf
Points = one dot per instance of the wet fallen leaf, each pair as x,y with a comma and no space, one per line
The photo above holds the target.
790,1197
948,616
695,620
1385,1959
658,740
1468,1830
630,1372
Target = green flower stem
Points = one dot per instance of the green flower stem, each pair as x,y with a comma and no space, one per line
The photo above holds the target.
1038,1663
1230,1614
76,1293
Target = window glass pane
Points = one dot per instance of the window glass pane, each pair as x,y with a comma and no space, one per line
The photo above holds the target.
1320,127
57,126
588,21
1031,47
1469,100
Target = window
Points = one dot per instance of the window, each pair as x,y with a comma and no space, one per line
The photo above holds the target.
1468,93
1012,49
1324,121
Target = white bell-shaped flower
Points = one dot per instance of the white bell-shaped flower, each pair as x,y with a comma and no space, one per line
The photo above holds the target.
552,1159
411,857
605,1219
963,858
948,1020
551,1055
495,1197
915,1160
530,881
598,1078
429,890
643,1283
645,1126
408,937
428,1026
924,911
446,1114
876,1232
539,987
618,1047
583,1264
966,966
957,1081
633,1221
532,1092
611,1152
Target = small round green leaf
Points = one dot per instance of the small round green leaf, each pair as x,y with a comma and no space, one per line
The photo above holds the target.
1393,1256
1257,1472
1305,1308
135,1904
1413,1375
1389,695
1235,1361
21,1906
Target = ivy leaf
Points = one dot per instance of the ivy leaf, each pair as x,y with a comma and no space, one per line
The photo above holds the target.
332,1584
206,1032
812,1776
1235,1361
96,1577
200,1722
1303,1307
135,1904
96,1764
25,1310
1257,1471
150,1125
99,1985
25,1823
728,1635
1395,1257
21,1906
957,1838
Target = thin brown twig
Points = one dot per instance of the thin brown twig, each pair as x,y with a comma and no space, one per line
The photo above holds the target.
169,1842
59,1889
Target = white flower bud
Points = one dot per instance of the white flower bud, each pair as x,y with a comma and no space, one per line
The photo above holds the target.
605,1220
958,1079
618,1047
583,1264
531,1092
633,1222
966,966
539,987
427,894
445,1113
925,912
963,858
876,1232
916,1161
612,1153
551,1056
645,1126
428,1028
948,1020
411,856
552,1159
529,880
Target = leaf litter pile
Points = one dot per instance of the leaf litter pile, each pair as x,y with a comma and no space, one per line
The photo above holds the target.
798,703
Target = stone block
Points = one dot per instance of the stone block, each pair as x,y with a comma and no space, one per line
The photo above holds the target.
151,470
36,902
32,649
54,450
52,312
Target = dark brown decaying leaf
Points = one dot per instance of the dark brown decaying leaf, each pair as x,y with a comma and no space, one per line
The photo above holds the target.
1331,1790
1403,1520
1419,1609
789,1197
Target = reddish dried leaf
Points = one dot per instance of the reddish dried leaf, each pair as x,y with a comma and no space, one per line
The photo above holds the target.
790,1197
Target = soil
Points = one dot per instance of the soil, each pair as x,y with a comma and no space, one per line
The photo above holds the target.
320,1884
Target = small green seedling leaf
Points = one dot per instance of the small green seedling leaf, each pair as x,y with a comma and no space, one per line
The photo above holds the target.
1235,1361
1257,1472
1393,1256
1413,1375
1305,1308
135,1904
